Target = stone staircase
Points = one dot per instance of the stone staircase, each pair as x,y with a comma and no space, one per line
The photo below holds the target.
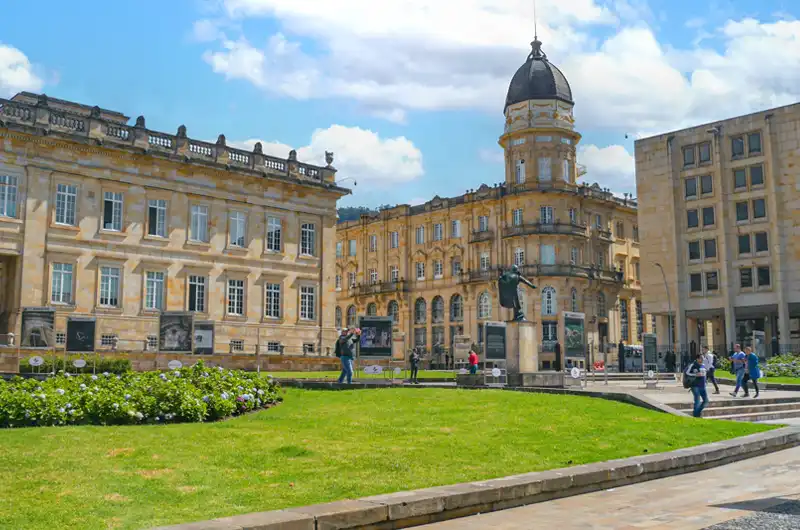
747,409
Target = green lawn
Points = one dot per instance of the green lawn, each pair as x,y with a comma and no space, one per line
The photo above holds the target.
423,374
316,447
783,380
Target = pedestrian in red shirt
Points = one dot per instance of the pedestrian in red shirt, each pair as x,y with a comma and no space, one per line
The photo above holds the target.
473,362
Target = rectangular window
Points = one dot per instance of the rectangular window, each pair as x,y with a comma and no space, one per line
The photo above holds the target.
746,278
742,211
547,254
636,233
485,261
351,279
759,209
692,219
518,141
690,187
762,243
637,270
157,217
154,291
706,184
237,229
394,239
420,267
708,216
739,179
394,273
519,171
566,141
763,275
62,283
339,249
438,232
565,170
456,265
757,175
754,144
351,247
744,244
198,223
308,239
712,281
237,345
373,243
197,293
273,347
272,300
438,269
623,319
420,235
546,215
549,331
688,156
236,297
696,283
710,248
737,146
61,337
112,211
545,169
573,215
455,229
516,217
107,339
373,276
275,236
601,260
338,282
308,302
8,196
620,228
483,223
109,286
573,256
544,138
704,152
598,221
694,250
66,199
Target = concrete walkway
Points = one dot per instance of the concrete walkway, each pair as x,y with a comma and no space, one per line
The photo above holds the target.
759,493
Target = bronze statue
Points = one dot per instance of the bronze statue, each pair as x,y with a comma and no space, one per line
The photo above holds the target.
508,284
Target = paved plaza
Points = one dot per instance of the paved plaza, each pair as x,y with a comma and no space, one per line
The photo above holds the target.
759,493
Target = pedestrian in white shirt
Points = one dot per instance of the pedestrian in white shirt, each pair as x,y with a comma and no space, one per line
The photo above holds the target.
708,363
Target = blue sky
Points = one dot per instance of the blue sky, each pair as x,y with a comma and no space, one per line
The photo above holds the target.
409,95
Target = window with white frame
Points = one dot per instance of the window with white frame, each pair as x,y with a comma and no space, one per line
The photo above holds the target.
484,306
394,273
483,223
393,311
272,300
518,141
197,293
275,346
420,268
339,249
547,255
198,223
549,301
545,169
438,232
308,239
550,332
275,236
455,229
154,291
574,300
519,172
8,196
351,247
237,229
308,302
546,215
338,282
573,256
112,211
235,297
351,279
373,243
485,261
565,170
420,235
66,200
373,276
456,264
438,269
394,239
109,286
573,215
157,217
516,217
61,292
519,256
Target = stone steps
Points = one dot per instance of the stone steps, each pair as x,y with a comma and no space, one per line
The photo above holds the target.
715,401
760,416
751,409
748,409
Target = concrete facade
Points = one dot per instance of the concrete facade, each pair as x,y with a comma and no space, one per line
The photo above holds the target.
718,210
104,219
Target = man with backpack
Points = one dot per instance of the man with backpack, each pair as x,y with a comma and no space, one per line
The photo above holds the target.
695,379
710,364
345,351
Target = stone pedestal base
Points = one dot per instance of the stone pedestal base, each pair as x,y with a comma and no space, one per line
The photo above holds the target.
522,352
398,346
541,380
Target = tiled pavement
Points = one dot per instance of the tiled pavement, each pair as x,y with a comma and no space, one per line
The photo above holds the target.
741,494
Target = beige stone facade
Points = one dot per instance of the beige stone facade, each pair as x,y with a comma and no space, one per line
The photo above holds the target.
434,267
718,210
118,222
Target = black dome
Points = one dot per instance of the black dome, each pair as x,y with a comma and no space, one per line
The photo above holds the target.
538,78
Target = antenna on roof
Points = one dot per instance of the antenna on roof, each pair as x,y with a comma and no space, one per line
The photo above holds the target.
535,25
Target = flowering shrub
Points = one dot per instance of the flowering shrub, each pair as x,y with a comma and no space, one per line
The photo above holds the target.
778,366
193,394
114,366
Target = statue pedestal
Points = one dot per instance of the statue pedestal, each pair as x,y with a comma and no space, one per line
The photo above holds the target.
522,353
398,346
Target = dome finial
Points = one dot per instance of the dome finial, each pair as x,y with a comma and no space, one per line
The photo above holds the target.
536,49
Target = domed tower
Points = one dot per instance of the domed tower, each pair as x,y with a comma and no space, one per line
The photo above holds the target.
539,137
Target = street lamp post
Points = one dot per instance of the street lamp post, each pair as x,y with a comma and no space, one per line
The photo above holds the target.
669,307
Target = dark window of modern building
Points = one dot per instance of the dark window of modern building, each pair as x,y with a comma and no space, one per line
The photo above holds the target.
712,281
739,179
762,243
746,278
754,143
737,146
704,152
688,156
741,211
691,187
708,216
759,209
744,244
694,250
762,273
710,248
692,220
757,175
706,184
696,283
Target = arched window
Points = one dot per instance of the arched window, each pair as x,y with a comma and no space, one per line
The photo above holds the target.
420,311
351,316
549,302
372,309
574,300
484,306
456,308
437,309
338,323
602,310
393,310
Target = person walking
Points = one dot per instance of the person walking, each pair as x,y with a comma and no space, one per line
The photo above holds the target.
345,350
415,358
752,371
697,384
709,360
738,360
473,362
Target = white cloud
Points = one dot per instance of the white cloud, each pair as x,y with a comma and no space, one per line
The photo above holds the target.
611,167
359,153
16,72
432,55
416,201
393,115
493,156
206,31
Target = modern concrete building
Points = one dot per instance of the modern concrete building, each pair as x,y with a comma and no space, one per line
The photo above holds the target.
718,213
103,219
434,267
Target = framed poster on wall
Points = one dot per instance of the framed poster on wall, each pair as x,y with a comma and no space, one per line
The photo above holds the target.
80,334
574,335
176,330
204,337
38,325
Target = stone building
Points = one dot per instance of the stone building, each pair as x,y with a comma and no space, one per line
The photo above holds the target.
103,219
718,211
434,267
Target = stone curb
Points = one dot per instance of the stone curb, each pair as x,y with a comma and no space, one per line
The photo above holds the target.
413,508
770,386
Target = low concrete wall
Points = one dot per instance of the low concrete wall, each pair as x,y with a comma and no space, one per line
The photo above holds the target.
414,508
761,382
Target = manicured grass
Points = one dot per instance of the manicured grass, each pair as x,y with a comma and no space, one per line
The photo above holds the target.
768,380
423,374
316,447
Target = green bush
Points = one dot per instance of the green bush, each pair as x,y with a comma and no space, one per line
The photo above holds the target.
783,366
113,366
193,394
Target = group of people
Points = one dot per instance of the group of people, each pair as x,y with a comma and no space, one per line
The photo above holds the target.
744,365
